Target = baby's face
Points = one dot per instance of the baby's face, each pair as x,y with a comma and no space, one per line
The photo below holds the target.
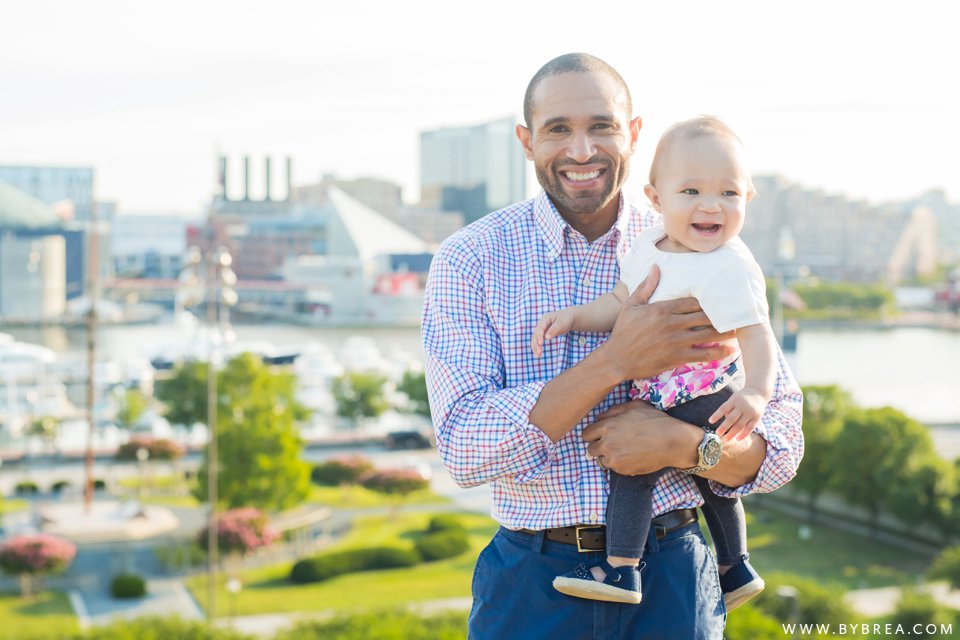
702,191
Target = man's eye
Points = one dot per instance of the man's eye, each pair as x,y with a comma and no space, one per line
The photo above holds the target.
558,129
602,125
690,192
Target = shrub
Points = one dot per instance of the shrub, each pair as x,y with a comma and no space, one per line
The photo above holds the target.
156,628
341,470
241,531
99,484
816,603
917,610
947,567
26,488
444,522
442,544
159,449
320,568
395,481
128,585
450,625
29,555
59,486
746,623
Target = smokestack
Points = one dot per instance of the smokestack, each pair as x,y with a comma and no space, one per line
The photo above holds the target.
246,177
289,178
267,170
222,178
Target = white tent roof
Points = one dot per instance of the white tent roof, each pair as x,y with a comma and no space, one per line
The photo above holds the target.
371,233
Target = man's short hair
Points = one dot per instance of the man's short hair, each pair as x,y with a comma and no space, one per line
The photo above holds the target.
571,63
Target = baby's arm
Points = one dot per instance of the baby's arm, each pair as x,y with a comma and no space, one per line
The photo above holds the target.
598,315
744,408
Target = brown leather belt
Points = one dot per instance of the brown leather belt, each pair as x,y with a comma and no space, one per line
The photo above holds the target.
592,537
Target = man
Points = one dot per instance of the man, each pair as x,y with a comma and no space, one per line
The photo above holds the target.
543,431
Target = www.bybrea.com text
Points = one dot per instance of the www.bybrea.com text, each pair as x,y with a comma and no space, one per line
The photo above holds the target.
873,630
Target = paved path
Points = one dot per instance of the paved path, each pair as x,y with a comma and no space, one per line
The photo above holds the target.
883,601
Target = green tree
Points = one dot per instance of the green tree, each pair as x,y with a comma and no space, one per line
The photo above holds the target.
133,405
260,449
185,393
360,395
824,409
925,492
414,385
875,451
918,612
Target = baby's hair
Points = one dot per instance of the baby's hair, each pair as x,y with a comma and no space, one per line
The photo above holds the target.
688,130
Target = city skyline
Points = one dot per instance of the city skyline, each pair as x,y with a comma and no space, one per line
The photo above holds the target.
850,98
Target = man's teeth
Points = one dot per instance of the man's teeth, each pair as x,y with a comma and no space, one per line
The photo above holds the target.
582,177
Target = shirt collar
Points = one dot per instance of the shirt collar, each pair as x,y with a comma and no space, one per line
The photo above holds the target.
553,228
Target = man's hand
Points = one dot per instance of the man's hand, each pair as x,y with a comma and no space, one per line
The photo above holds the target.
633,438
649,339
549,326
740,413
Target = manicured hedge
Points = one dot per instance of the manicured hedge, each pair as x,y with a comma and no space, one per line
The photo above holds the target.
329,565
444,522
442,544
128,585
341,470
26,488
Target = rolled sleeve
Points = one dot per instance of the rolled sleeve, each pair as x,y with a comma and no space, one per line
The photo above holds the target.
482,427
781,428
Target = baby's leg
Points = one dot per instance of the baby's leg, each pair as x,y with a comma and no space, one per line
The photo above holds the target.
629,513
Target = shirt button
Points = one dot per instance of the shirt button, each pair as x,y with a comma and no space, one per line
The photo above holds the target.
586,281
582,341
594,517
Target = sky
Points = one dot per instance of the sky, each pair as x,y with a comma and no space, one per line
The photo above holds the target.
855,98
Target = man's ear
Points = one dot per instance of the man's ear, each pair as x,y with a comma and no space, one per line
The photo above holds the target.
526,138
653,195
635,125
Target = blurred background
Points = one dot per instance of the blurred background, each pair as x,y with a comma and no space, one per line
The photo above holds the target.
258,191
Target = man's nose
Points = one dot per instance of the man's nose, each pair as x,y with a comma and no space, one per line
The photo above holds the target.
581,148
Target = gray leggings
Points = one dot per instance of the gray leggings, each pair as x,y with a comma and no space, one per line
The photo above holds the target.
630,505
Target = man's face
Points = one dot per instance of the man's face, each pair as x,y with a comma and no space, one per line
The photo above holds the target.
580,141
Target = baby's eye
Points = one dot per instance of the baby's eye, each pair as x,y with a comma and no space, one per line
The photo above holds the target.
731,193
690,192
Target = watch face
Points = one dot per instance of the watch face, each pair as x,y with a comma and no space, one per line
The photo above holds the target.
711,451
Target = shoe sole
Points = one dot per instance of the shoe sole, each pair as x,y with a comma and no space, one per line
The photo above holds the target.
737,597
593,590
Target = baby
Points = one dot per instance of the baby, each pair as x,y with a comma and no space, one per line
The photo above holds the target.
699,183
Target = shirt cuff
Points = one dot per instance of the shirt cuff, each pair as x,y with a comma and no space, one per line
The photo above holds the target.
531,449
776,469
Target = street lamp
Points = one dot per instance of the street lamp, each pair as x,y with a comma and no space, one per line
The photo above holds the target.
233,588
218,281
142,456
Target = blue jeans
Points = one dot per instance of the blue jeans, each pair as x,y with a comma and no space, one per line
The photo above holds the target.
513,597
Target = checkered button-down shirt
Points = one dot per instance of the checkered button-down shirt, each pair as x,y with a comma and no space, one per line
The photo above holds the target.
488,285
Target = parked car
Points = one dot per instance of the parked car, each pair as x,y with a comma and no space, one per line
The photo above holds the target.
406,440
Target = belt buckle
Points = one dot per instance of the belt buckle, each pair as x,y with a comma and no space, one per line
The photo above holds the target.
577,529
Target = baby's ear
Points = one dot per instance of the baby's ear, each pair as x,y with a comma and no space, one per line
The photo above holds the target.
653,196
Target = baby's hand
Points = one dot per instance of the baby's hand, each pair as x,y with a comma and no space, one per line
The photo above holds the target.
550,325
740,413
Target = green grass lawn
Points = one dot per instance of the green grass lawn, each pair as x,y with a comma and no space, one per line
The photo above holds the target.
267,590
48,614
849,560
357,497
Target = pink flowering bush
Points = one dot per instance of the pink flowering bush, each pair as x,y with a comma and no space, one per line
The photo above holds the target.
30,555
240,531
395,481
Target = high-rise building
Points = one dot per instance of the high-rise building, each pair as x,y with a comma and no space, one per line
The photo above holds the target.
473,170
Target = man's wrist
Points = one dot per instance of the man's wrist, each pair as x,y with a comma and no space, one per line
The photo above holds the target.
687,439
607,365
